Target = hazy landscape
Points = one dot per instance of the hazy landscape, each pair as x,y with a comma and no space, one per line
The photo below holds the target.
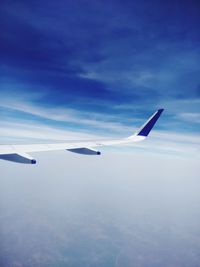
117,210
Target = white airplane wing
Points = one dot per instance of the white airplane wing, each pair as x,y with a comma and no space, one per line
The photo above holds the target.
18,153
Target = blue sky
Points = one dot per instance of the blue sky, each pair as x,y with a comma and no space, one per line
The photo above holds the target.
100,68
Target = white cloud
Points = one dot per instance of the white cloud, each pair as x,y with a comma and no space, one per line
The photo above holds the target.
22,130
189,116
82,118
179,106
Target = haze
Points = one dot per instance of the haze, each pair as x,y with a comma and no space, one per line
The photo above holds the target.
121,209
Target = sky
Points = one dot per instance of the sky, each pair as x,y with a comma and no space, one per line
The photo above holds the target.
100,68
89,69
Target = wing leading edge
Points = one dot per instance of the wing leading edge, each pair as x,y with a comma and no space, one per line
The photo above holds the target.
18,153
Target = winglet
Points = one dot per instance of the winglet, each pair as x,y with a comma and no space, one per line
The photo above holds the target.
146,128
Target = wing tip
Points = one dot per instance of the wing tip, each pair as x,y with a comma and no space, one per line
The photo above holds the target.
150,123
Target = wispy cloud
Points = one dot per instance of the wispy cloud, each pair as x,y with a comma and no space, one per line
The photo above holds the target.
191,117
182,105
66,115
25,131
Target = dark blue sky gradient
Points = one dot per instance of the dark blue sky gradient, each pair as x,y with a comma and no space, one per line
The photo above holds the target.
123,58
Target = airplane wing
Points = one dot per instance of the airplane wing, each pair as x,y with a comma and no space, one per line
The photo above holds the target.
18,153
